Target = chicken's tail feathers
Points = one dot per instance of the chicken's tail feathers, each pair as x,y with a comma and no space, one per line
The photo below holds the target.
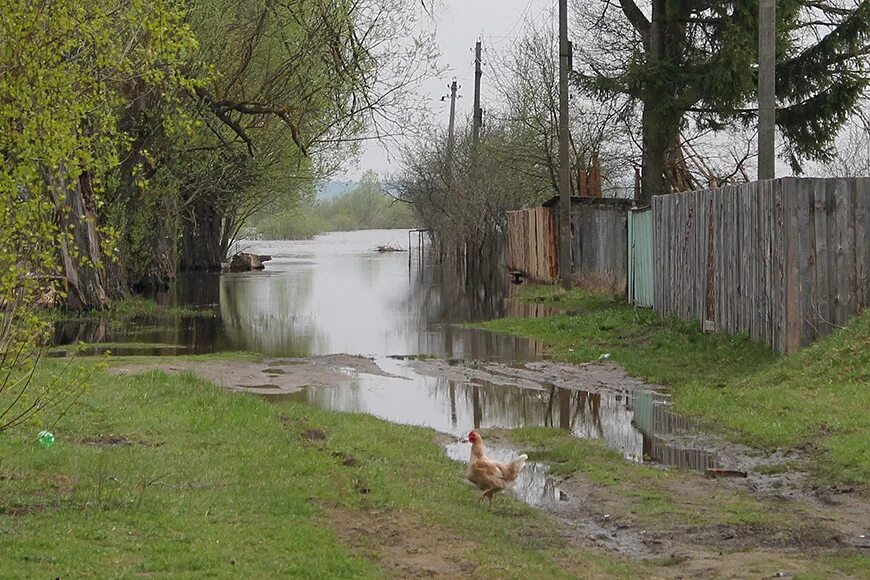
519,463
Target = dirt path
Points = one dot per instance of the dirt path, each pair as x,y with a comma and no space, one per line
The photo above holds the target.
772,522
269,377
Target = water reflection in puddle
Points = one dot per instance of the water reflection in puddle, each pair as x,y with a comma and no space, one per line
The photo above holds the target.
638,424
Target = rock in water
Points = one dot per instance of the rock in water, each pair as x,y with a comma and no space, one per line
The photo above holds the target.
245,262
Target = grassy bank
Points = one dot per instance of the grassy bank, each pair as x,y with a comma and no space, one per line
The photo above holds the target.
168,475
818,398
130,308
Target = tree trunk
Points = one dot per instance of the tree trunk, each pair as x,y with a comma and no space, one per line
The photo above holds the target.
201,238
661,119
80,252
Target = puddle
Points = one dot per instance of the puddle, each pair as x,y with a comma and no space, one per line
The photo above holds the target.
534,486
601,403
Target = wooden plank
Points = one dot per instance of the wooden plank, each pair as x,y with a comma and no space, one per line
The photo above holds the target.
731,257
822,306
791,247
780,258
842,237
849,241
807,260
719,251
862,239
746,306
774,300
669,290
753,258
764,323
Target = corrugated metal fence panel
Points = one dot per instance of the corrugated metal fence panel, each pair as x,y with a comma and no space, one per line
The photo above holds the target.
640,257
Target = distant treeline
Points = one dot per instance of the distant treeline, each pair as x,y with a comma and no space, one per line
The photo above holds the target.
363,208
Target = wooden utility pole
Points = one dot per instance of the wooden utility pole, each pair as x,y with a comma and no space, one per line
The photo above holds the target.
478,112
451,136
564,169
766,89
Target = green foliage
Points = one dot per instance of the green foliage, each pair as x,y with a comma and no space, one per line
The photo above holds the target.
364,208
704,65
66,67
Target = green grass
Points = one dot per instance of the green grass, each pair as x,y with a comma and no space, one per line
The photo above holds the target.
652,493
133,307
226,485
818,398
665,351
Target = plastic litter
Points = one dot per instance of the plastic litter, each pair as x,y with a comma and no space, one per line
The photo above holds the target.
45,439
604,356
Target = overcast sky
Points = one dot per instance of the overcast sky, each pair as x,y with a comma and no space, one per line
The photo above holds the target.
459,24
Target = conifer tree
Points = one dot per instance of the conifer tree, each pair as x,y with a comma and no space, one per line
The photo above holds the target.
696,60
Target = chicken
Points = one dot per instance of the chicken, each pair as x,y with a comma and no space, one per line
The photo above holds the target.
491,476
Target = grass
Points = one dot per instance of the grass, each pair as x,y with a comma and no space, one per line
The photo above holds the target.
818,398
665,351
228,485
654,496
130,308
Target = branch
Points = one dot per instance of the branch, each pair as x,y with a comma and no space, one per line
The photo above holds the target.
636,18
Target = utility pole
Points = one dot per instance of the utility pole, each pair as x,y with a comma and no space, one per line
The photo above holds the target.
766,89
478,112
564,169
451,136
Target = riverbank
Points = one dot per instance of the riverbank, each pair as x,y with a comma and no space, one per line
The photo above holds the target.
817,400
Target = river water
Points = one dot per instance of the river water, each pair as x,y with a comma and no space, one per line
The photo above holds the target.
335,294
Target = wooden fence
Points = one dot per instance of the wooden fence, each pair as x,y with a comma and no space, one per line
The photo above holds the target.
784,260
599,240
532,246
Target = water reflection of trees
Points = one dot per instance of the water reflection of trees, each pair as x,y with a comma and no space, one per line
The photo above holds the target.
262,313
584,414
444,295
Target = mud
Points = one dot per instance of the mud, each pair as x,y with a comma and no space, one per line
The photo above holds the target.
270,377
403,546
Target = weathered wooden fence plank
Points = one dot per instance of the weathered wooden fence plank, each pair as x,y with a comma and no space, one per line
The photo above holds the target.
783,260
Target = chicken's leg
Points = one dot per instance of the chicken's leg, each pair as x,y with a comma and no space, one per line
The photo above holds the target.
490,494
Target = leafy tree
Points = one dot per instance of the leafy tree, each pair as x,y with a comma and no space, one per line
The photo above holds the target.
296,86
64,68
688,60
365,207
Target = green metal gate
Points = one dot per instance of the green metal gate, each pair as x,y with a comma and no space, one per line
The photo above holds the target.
640,257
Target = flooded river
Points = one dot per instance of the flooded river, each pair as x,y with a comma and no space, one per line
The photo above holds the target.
335,294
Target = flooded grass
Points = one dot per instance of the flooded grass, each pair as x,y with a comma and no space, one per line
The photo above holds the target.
231,487
817,399
132,307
